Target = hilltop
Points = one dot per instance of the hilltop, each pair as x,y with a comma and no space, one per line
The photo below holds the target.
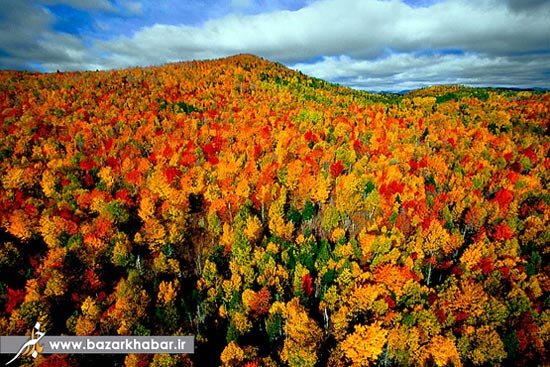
278,218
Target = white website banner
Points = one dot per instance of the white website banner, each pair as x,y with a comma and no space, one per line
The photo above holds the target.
103,344
40,343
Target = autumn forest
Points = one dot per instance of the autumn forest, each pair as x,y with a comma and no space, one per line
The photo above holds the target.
279,219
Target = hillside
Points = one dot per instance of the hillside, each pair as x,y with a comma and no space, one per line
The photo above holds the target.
279,219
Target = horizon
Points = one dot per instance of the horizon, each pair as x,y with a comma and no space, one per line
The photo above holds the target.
395,92
381,46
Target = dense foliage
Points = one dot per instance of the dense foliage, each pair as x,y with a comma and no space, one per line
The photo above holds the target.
280,219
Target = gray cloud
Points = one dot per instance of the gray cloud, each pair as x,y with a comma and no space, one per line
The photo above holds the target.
133,7
22,24
28,42
406,71
83,4
527,5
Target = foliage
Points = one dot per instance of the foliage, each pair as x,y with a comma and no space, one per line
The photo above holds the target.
280,219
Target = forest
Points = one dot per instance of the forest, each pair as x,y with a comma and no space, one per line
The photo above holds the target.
279,219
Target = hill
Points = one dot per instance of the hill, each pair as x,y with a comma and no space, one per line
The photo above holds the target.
278,218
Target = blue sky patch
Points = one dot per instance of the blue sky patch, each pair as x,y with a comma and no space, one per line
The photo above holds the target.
70,20
421,3
439,52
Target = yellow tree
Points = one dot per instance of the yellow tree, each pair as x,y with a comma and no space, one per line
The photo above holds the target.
303,337
365,345
130,305
277,224
436,242
442,352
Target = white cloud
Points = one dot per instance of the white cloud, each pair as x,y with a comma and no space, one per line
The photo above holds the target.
359,28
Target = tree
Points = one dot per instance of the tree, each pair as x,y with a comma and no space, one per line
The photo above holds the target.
442,351
303,336
131,304
436,243
232,355
365,345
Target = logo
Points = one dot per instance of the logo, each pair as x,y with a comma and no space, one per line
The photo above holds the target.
40,343
31,347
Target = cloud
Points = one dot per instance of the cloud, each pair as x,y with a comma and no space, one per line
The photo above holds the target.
358,42
527,5
20,22
34,37
363,29
408,71
133,7
241,4
65,52
282,35
83,4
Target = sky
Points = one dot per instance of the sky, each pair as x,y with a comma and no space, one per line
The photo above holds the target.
375,45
